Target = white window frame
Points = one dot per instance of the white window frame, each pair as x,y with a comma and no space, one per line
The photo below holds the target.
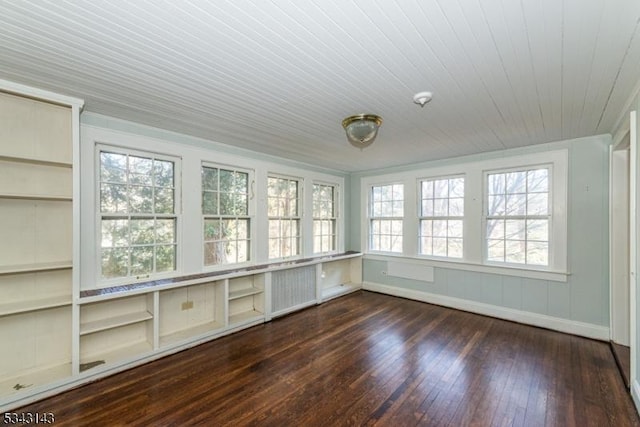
371,217
177,214
422,217
250,216
474,226
299,217
334,218
524,217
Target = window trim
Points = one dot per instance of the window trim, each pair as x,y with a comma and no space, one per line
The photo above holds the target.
251,215
300,216
422,217
100,147
473,226
335,217
370,217
486,217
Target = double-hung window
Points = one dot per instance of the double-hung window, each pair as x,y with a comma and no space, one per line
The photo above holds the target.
138,216
386,214
283,210
441,217
518,216
324,218
226,217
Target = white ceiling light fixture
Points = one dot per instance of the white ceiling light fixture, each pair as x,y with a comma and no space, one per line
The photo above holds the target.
422,98
362,129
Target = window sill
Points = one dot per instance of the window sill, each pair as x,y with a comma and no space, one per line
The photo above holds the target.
554,276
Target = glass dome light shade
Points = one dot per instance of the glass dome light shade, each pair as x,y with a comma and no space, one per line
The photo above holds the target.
362,129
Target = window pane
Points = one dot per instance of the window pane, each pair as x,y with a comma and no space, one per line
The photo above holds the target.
293,207
426,227
455,248
439,246
427,207
113,167
212,229
538,229
113,198
242,229
427,189
226,180
226,204
140,170
495,229
165,230
141,199
538,204
515,229
164,200
496,184
516,182
441,188
516,204
209,203
115,232
538,181
141,260
456,207
497,205
210,179
426,245
454,228
214,253
243,251
165,258
114,262
456,187
440,207
142,231
515,251
163,173
495,250
538,253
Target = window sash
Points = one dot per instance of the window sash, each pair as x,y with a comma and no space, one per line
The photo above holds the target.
138,219
324,218
386,218
284,197
518,217
226,218
441,216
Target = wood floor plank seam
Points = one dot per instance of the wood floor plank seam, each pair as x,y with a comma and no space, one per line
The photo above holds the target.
365,359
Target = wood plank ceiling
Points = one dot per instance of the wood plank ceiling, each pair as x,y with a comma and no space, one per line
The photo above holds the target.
278,77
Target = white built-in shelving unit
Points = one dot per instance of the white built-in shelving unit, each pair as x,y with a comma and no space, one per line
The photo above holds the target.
39,133
56,336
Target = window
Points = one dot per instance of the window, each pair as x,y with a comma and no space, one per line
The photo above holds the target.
283,210
324,218
138,219
518,216
225,210
441,217
386,216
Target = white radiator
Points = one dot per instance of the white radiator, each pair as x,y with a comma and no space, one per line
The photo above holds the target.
292,288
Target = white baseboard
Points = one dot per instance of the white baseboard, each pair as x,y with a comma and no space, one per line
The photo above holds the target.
635,394
541,320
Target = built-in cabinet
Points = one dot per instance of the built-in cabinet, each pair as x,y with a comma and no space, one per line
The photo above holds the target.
53,335
38,137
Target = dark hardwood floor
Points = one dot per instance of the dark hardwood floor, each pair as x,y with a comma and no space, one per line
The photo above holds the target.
365,359
622,355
